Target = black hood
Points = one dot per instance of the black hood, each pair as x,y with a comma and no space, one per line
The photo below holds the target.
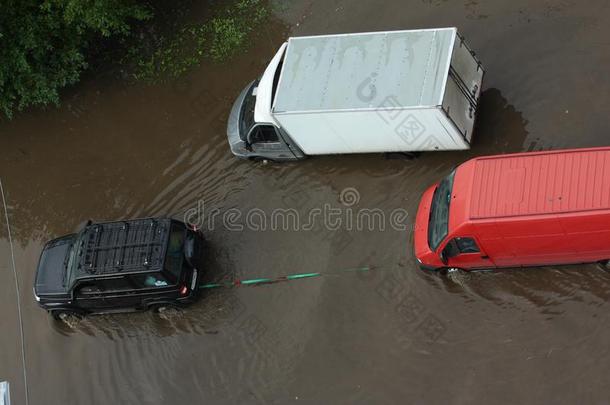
52,266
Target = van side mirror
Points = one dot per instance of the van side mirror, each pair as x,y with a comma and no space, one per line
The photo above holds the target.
443,257
450,250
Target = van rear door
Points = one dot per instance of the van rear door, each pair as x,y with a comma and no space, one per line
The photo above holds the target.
463,88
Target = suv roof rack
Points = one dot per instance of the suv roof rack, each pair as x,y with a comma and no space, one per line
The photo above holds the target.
123,246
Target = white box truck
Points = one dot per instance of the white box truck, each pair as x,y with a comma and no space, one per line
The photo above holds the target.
399,91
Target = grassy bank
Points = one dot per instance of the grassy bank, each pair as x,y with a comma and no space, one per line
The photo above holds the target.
46,46
155,58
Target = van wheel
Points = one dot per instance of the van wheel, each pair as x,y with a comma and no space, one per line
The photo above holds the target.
65,315
451,271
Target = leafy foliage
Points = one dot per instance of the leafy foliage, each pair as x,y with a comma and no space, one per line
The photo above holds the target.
43,44
217,39
229,31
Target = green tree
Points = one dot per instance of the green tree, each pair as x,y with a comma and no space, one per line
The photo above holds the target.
43,44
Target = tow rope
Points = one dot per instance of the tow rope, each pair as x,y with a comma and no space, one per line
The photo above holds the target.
290,277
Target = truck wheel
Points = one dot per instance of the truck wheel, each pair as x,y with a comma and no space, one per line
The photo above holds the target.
261,160
64,315
401,155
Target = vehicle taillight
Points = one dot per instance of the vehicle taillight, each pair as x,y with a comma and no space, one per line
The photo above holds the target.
184,290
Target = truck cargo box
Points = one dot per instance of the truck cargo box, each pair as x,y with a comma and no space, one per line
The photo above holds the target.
398,91
379,92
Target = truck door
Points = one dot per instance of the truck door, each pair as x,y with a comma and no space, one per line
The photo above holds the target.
463,88
464,252
266,142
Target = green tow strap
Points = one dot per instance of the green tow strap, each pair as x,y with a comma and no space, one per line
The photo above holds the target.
256,281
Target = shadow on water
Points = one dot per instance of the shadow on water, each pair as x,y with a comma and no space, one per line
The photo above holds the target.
210,315
213,311
500,127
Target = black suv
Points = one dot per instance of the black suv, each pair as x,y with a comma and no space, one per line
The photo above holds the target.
122,266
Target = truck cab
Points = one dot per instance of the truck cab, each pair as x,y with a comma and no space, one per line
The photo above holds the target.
252,131
121,266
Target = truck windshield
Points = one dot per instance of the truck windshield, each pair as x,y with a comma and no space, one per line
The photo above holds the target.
175,251
247,113
438,228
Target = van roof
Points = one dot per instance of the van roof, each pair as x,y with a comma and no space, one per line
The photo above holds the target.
362,70
553,182
122,247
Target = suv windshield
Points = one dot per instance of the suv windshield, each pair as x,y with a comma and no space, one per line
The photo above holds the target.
439,212
175,251
247,112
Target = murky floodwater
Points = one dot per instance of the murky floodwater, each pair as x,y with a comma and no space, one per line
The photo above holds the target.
392,335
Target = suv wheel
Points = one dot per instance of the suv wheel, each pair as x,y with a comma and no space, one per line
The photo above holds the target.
165,308
65,315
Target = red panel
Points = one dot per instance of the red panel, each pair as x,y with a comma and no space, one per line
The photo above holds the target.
541,183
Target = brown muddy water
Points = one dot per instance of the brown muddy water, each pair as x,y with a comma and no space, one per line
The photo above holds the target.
391,336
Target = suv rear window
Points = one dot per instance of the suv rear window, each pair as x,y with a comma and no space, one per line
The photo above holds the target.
438,228
175,251
150,280
114,284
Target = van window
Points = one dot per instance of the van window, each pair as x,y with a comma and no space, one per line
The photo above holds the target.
263,133
460,246
450,250
438,228
467,245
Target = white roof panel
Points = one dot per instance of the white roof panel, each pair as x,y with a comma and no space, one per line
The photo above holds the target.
355,71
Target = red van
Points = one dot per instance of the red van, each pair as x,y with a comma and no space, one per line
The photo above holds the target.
525,209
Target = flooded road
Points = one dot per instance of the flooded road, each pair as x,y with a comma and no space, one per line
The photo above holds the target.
391,335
